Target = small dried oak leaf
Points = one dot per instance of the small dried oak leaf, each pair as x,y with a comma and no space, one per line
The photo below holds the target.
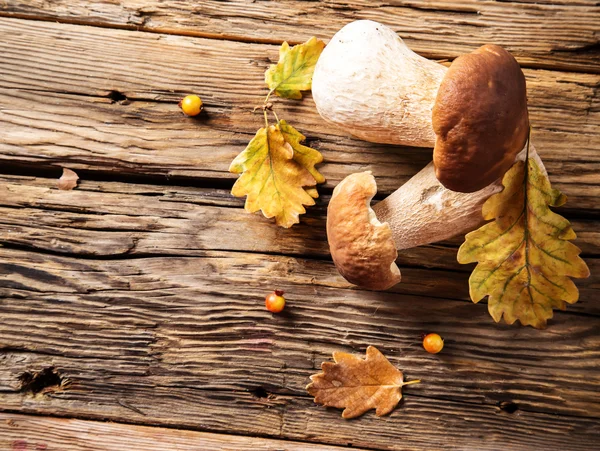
68,180
358,385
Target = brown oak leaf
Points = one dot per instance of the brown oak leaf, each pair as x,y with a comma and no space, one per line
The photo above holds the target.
358,385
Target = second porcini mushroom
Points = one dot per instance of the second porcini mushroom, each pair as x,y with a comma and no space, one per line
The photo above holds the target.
480,124
364,241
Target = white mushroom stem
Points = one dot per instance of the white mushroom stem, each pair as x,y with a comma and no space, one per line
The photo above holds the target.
368,82
422,211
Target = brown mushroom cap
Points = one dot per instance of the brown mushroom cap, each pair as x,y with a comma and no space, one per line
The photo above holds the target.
362,248
480,119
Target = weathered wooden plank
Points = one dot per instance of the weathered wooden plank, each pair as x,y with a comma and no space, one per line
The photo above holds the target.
22,432
416,426
201,322
109,389
154,139
555,34
97,220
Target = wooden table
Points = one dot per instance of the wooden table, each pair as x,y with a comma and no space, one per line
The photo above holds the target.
132,312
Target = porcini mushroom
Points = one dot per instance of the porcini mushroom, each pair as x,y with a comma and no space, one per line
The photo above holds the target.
363,249
364,241
371,84
474,115
480,119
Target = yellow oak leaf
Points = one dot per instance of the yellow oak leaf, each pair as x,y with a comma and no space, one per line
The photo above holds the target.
358,385
312,192
272,179
294,70
524,256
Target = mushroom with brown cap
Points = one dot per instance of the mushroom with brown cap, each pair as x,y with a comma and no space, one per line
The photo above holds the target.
422,211
474,114
362,248
479,126
480,119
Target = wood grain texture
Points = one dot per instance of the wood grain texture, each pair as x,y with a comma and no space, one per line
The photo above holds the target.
143,303
188,312
29,433
23,433
159,342
84,130
473,427
96,220
439,29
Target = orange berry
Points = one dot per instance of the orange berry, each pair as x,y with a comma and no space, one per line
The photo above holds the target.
275,302
433,343
191,105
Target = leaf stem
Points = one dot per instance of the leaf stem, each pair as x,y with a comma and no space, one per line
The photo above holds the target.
275,114
526,217
416,381
265,109
268,95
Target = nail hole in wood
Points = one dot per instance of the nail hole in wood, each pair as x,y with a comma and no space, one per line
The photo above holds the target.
116,96
508,407
259,392
44,381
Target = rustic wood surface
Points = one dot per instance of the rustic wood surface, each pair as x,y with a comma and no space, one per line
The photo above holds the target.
19,432
137,297
559,34
79,125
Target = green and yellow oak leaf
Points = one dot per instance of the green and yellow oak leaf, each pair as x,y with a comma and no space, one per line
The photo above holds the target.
294,71
525,259
278,174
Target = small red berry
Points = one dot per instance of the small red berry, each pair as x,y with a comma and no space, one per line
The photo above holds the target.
191,105
275,302
433,343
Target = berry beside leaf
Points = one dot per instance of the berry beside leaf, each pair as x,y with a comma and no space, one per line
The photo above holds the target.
191,105
433,343
275,302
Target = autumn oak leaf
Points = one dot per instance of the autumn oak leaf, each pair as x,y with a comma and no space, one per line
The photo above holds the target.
524,257
275,175
294,71
312,192
358,385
